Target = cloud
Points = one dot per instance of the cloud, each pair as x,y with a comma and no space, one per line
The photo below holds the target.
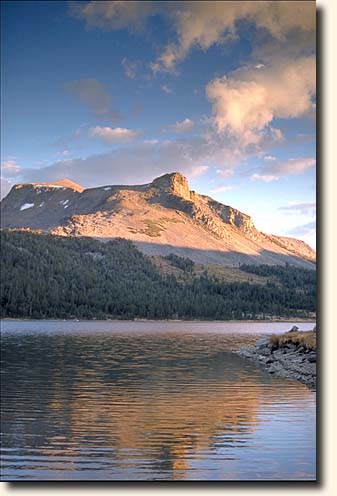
140,160
112,135
183,126
269,158
198,170
304,229
221,189
166,88
225,172
150,141
279,169
198,24
131,67
114,15
245,103
307,208
267,178
203,24
94,95
64,142
10,168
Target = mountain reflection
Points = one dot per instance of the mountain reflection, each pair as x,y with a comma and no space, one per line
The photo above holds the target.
146,403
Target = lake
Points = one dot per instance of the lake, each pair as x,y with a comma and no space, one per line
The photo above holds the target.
116,400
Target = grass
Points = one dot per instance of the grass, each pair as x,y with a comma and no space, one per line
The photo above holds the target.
307,339
154,228
225,274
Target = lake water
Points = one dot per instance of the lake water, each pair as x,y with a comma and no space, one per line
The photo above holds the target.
149,401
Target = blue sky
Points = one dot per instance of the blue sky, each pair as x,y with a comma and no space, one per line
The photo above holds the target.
122,92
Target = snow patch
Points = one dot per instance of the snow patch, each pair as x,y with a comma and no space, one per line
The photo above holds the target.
26,205
46,186
106,189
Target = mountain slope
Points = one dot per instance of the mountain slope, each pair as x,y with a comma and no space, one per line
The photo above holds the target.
161,217
47,276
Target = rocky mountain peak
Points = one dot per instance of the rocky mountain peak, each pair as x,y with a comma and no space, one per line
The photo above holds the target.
174,183
162,217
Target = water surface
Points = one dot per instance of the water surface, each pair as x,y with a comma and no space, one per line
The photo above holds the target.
149,401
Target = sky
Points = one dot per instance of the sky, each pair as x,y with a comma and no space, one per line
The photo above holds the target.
115,92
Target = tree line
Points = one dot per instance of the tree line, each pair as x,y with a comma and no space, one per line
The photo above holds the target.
45,276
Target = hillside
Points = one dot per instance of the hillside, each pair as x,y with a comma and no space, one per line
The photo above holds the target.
160,218
48,276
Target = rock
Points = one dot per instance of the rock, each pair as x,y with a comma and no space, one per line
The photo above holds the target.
294,329
294,362
265,351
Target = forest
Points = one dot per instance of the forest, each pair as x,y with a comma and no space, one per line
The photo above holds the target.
46,276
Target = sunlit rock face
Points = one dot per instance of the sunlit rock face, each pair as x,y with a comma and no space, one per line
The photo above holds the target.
161,217
174,184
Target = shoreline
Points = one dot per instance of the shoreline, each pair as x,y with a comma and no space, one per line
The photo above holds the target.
199,321
291,361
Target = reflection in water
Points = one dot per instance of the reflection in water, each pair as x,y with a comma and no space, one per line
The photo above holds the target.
149,406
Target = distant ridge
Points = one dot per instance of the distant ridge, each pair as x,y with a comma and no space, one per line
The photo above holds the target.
66,183
161,217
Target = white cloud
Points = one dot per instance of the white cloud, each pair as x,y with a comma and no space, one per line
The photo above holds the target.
166,88
279,169
10,168
112,135
221,189
183,126
94,95
198,170
246,102
267,178
269,158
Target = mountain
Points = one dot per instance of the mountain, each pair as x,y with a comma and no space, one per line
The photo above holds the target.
160,218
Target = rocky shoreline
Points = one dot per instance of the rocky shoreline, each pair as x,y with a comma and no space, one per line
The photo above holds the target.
292,361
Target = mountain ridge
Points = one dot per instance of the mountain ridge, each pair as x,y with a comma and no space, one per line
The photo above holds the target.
154,216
